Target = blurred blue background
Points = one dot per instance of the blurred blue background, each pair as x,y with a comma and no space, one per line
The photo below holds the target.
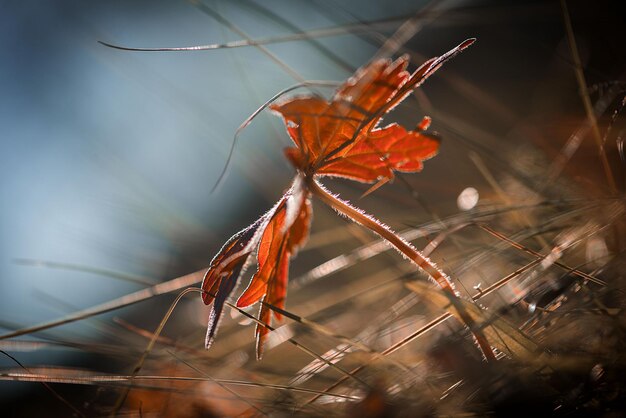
108,157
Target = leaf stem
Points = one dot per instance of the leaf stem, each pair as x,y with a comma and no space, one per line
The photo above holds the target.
407,250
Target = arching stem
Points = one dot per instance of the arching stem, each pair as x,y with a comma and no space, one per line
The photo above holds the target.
406,249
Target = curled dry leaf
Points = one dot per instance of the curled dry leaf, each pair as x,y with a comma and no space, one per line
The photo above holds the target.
224,272
276,237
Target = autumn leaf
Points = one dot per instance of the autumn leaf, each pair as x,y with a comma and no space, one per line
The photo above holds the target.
276,237
340,137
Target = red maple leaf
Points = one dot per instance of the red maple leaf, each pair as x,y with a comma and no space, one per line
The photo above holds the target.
342,138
